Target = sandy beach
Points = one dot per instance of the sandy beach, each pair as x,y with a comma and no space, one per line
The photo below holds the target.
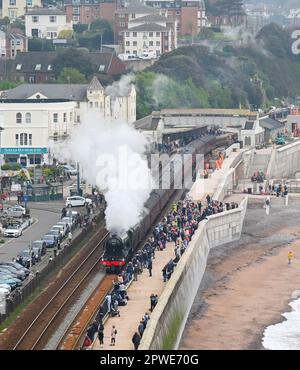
247,285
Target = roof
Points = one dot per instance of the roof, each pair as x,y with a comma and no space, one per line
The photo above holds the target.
151,18
208,112
148,123
101,62
249,125
136,7
45,11
147,27
95,84
270,124
52,91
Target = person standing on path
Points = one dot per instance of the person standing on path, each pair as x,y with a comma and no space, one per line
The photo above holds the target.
101,337
113,335
70,237
290,257
150,266
136,339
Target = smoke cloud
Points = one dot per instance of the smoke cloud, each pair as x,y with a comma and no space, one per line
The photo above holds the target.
111,156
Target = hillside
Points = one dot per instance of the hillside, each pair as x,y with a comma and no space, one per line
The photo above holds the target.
258,73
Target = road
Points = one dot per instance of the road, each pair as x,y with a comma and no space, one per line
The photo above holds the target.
46,215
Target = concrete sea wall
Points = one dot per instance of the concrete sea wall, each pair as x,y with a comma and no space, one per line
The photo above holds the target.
168,319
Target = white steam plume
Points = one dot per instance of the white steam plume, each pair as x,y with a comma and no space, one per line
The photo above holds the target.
110,154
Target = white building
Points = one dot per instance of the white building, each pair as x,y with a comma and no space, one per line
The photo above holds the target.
46,23
29,125
17,8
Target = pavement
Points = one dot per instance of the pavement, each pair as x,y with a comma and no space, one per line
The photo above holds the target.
139,303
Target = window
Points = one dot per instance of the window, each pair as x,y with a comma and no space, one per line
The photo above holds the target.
52,18
134,43
150,34
12,2
135,52
18,42
75,18
18,67
28,117
30,139
29,2
96,104
71,116
35,19
91,104
55,117
157,34
38,67
150,43
12,43
134,34
17,139
101,68
23,139
75,10
121,15
49,67
65,117
133,15
19,117
122,24
127,43
157,43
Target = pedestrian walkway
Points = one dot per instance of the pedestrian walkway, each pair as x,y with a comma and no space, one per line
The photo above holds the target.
139,303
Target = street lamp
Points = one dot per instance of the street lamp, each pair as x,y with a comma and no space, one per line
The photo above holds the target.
1,129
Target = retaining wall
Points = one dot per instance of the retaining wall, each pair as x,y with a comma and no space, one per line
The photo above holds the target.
168,319
286,161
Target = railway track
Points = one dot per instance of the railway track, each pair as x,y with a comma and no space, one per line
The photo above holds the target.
52,305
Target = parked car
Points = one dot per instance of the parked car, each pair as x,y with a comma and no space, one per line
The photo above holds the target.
4,293
148,55
70,221
70,170
24,258
8,281
40,244
5,286
51,241
77,201
7,276
16,265
125,57
57,233
61,228
15,211
18,273
14,231
37,253
65,225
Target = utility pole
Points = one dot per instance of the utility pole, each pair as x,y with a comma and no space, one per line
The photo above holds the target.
78,179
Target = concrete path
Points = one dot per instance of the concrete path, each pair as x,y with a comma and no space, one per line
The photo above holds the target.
139,293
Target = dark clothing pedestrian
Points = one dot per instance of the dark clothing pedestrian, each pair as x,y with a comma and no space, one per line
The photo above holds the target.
152,302
101,337
150,267
136,339
141,328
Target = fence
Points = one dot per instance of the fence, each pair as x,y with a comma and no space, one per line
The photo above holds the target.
19,296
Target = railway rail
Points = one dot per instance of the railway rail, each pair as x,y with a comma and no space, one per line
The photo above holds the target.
44,314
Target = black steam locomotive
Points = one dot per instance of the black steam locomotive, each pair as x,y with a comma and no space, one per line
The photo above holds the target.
118,250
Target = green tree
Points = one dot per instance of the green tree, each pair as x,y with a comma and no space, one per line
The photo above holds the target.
72,58
71,75
65,34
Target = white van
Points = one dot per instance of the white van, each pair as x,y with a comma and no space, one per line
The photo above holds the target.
128,57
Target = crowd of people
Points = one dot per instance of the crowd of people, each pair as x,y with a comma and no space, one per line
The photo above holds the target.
258,176
177,227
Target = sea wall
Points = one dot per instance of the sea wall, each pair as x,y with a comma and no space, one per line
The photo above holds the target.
168,319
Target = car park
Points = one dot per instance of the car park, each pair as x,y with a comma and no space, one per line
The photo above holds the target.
16,265
77,201
40,244
51,240
15,211
14,230
17,273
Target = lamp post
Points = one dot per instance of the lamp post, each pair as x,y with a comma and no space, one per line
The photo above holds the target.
78,180
1,129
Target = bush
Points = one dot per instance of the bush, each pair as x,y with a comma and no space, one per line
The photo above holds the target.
11,167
